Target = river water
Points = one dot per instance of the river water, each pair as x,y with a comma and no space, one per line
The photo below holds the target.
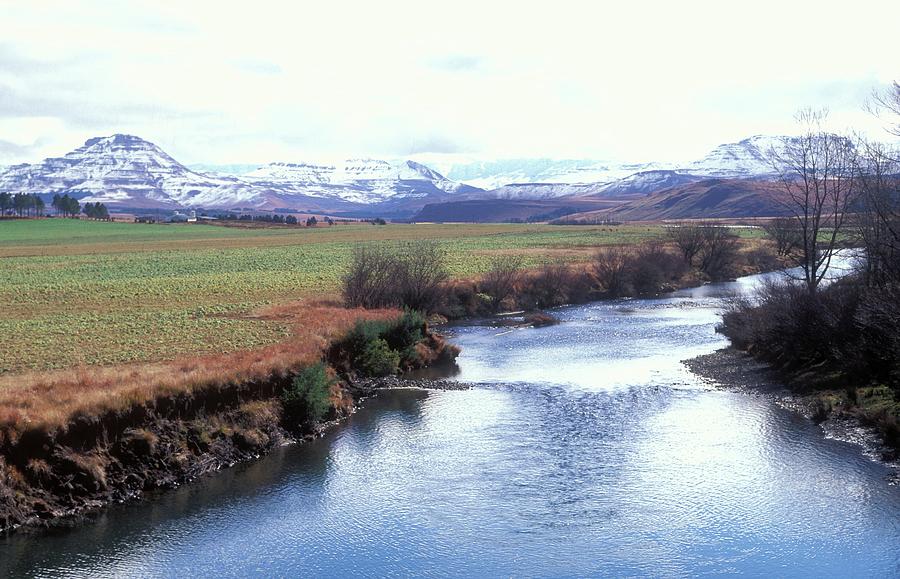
583,449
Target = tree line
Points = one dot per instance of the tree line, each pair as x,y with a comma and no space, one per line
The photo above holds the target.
66,206
32,205
21,205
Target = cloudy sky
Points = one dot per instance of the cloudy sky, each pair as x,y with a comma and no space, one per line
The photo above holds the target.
249,82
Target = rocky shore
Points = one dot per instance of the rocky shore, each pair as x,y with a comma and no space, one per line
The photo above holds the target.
732,368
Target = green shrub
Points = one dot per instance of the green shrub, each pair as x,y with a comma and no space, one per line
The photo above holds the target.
403,334
309,397
379,347
378,359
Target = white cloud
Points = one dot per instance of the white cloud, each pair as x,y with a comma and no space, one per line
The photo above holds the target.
253,82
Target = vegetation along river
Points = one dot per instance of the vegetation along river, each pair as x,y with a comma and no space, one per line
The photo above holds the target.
585,448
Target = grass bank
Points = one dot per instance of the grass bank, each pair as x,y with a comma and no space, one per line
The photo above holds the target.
76,293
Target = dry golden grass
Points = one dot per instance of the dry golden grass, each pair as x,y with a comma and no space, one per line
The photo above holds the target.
50,400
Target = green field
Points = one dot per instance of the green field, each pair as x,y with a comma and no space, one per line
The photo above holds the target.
78,292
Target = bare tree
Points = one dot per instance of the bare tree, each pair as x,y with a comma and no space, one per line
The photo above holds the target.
887,104
818,181
370,281
785,233
718,251
611,268
548,285
420,274
879,221
500,281
688,238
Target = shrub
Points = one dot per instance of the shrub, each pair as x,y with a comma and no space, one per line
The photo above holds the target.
403,335
410,275
718,254
377,359
502,279
420,273
309,396
844,327
548,286
380,347
611,267
370,283
653,267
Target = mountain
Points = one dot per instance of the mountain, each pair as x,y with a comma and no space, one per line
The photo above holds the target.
708,198
497,173
365,181
230,169
505,210
129,172
750,158
536,191
745,159
644,183
119,170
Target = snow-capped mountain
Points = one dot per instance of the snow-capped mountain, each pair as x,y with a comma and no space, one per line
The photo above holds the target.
497,173
120,169
357,180
128,171
645,182
538,191
749,158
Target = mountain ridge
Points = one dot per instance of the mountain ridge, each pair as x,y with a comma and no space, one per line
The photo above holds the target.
129,172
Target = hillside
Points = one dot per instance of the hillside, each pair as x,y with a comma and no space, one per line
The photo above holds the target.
510,210
709,198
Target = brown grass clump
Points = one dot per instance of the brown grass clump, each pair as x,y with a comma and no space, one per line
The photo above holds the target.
51,400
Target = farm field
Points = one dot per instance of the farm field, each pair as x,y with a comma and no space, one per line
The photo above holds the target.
76,293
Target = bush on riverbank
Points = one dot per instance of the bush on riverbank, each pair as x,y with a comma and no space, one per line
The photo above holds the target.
309,397
376,348
842,341
409,275
414,276
846,328
651,269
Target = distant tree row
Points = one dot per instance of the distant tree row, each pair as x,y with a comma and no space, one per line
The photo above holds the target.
276,218
66,206
21,205
96,211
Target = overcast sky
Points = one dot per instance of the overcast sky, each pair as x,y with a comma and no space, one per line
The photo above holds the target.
286,81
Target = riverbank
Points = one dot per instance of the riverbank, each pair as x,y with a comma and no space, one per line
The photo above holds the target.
839,417
58,475
74,440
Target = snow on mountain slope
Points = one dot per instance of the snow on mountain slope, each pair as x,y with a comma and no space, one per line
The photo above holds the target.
496,173
644,183
120,169
745,159
127,171
358,180
748,158
537,191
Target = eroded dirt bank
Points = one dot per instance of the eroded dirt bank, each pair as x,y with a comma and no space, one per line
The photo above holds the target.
58,477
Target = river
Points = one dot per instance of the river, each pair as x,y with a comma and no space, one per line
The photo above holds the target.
585,448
